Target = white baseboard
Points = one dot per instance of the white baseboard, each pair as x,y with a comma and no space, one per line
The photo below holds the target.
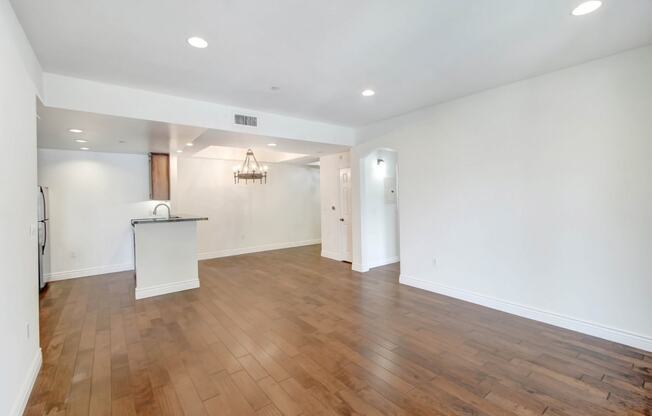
164,289
589,328
114,268
384,262
331,255
357,267
28,384
255,249
90,271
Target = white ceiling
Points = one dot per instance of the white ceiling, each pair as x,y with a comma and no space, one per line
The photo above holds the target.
322,54
125,135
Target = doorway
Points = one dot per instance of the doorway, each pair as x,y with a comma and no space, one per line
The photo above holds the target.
380,215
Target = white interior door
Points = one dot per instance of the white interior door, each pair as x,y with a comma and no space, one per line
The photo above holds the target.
345,230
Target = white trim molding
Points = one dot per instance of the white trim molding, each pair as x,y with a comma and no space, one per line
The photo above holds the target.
333,255
28,384
164,289
256,249
384,262
589,328
115,268
90,271
357,267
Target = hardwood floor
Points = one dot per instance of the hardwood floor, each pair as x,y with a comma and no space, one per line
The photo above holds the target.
290,333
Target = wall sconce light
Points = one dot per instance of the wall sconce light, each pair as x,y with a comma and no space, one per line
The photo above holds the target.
379,171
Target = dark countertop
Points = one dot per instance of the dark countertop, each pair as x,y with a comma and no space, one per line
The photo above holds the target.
173,218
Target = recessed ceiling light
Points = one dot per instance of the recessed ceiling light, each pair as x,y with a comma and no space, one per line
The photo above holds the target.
271,144
275,88
190,144
75,131
587,7
368,93
179,151
84,148
197,42
81,141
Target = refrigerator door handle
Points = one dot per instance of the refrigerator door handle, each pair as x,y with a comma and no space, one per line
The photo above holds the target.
45,236
45,216
44,221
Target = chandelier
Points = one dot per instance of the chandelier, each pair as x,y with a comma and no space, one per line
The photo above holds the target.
250,169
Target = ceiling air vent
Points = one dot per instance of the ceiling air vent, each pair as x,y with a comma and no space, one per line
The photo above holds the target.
244,120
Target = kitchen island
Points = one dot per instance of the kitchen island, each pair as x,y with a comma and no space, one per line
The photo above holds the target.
165,251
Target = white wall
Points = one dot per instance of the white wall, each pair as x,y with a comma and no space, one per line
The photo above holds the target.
93,196
329,183
381,213
534,197
247,218
20,355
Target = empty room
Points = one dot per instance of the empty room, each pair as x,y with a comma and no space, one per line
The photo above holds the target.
298,208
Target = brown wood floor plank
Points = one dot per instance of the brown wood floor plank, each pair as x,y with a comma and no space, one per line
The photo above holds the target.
288,332
286,404
250,390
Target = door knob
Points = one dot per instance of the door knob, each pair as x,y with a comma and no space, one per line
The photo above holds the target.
342,219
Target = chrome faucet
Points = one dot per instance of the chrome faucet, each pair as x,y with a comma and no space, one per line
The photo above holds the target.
162,205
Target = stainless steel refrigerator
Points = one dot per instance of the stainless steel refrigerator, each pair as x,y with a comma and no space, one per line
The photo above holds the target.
43,237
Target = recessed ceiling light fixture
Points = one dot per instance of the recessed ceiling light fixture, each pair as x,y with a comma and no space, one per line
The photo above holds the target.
587,7
84,148
190,144
75,131
197,42
81,141
368,93
271,144
179,151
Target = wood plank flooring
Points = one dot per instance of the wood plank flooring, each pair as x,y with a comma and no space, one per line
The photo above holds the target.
290,333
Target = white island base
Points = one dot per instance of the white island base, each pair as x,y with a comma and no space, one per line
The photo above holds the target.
166,257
